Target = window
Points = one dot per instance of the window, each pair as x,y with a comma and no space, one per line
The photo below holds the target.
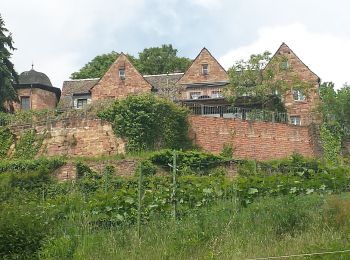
284,65
298,95
205,69
295,120
81,102
216,94
195,95
122,73
25,103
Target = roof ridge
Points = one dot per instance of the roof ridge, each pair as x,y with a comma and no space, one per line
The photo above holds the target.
164,74
81,79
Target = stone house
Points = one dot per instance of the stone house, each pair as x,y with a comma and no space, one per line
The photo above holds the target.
35,92
300,103
204,79
121,79
203,83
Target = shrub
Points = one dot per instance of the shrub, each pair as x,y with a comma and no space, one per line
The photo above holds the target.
148,122
148,168
6,139
188,162
23,227
23,166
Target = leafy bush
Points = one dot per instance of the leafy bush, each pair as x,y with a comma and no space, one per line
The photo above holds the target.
23,166
148,122
6,139
188,162
227,151
23,227
148,168
301,181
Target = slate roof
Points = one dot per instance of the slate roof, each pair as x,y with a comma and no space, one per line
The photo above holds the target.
34,77
164,84
78,86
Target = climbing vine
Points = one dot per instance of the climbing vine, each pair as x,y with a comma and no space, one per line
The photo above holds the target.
28,145
6,139
148,122
331,143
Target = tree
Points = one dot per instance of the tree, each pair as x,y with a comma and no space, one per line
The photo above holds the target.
155,60
8,75
159,60
259,78
335,108
99,65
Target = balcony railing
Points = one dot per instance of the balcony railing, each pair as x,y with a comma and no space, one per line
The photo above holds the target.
226,111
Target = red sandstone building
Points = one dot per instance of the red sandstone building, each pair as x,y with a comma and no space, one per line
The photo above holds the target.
202,84
35,92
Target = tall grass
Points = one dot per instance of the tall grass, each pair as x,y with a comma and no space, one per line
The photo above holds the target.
268,227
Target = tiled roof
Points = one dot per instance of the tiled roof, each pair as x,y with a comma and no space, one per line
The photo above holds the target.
164,84
78,86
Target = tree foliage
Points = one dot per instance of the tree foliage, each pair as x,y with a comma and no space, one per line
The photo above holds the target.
155,60
160,60
148,122
260,77
335,108
8,75
99,65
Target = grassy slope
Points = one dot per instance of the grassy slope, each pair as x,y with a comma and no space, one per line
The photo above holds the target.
269,227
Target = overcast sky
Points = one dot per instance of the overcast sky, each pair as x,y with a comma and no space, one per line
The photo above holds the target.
60,36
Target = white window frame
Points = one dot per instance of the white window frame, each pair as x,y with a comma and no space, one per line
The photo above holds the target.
295,120
216,94
298,95
205,69
122,73
195,94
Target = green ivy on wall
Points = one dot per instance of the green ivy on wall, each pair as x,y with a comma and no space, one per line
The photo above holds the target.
28,145
6,139
331,143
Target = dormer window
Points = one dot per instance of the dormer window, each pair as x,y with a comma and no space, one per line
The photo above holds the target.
205,69
122,73
298,95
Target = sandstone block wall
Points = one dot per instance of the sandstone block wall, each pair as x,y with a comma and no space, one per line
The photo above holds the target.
124,168
39,98
252,140
77,137
87,137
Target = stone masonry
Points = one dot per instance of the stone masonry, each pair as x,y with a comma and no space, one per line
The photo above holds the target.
112,86
39,98
298,69
252,140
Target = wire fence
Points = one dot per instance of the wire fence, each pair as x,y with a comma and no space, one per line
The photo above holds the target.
227,111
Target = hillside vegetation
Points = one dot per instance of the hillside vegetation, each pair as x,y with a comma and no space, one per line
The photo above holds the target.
289,206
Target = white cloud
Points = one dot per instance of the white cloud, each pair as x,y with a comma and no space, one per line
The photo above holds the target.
326,55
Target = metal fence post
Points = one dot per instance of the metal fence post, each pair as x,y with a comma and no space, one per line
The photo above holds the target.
174,186
139,204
